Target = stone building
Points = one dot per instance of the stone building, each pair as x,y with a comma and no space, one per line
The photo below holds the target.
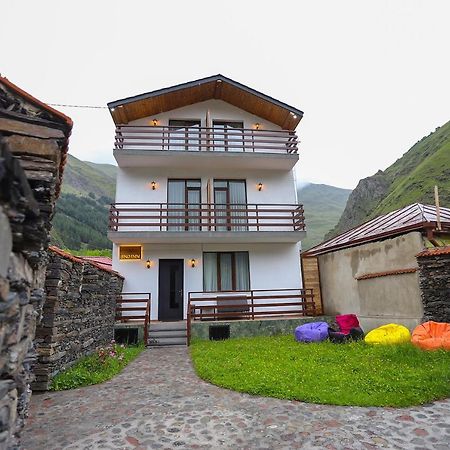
372,270
33,147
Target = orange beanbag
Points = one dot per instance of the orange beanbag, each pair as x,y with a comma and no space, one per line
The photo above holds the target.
432,336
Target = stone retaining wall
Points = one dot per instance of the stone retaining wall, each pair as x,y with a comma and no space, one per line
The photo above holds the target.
78,316
434,281
251,328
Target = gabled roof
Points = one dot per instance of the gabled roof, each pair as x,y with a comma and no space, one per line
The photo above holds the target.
409,218
213,87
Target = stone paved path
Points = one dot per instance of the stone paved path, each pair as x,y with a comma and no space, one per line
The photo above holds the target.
157,402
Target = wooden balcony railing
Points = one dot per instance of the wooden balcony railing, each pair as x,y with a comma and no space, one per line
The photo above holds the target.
133,137
174,217
254,304
134,307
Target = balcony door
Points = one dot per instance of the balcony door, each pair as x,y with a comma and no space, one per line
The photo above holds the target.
183,205
230,200
228,136
184,135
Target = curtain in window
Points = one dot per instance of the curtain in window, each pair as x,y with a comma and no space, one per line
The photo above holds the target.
238,200
242,271
185,136
210,271
220,204
194,204
226,272
176,203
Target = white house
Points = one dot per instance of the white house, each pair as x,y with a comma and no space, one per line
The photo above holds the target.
206,197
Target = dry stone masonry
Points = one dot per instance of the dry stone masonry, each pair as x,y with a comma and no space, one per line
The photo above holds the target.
79,313
33,145
434,280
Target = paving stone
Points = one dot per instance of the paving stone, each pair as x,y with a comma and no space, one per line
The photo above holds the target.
168,407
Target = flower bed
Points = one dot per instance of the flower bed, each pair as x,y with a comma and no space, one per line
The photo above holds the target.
96,368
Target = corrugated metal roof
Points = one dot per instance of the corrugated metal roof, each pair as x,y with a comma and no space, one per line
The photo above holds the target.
412,217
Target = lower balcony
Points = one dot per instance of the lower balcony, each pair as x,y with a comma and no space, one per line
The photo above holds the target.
202,223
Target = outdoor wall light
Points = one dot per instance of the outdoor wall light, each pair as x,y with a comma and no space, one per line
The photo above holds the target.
153,185
155,122
257,125
259,186
148,264
193,262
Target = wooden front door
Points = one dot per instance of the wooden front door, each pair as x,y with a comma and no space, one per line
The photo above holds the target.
170,301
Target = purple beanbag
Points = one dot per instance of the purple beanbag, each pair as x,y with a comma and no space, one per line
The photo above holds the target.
311,332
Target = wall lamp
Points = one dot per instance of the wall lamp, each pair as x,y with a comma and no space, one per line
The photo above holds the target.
155,122
259,186
257,125
148,264
193,262
153,185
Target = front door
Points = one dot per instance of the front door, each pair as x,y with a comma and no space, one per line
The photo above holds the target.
170,302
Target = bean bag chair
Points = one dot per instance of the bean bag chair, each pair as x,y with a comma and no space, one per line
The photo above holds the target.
389,334
311,332
432,336
349,329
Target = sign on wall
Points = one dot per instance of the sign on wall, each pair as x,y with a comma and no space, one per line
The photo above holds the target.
130,252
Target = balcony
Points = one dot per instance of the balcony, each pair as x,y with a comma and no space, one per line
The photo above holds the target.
137,146
202,223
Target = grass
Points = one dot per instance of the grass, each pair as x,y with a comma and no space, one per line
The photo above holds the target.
347,374
94,369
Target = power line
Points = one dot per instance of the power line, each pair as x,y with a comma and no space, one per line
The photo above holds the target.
78,106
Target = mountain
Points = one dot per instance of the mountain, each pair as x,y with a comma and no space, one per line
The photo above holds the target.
81,218
409,180
323,206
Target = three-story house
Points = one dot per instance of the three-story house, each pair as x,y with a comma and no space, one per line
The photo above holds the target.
206,199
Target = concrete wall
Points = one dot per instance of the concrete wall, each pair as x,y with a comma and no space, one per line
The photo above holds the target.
376,301
272,266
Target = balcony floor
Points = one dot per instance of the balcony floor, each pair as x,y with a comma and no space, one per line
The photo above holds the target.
204,237
204,159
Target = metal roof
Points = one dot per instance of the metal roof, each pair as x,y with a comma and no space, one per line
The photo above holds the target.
409,218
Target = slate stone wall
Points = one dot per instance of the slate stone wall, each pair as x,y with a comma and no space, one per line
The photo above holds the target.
78,315
33,147
434,281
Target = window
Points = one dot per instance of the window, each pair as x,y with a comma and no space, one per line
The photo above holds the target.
228,136
230,195
184,203
226,271
184,135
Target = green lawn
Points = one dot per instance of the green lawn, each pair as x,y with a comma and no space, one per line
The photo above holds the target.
96,368
339,374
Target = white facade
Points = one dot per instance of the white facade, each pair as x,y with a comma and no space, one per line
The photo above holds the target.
273,250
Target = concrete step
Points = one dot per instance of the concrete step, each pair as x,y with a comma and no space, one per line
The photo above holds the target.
168,326
166,341
167,333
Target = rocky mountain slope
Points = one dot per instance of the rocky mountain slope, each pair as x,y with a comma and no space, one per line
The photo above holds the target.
409,180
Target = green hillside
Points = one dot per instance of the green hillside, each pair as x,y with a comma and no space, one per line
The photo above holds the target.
81,218
409,180
323,206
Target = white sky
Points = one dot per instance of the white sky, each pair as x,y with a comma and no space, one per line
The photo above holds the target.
372,77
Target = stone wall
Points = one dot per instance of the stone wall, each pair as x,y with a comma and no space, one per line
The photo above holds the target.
434,281
78,316
33,143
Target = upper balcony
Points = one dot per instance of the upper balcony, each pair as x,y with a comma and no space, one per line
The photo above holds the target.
199,147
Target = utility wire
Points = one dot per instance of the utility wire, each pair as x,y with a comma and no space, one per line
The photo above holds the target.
78,106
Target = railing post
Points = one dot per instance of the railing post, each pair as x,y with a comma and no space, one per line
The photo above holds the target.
253,304
257,218
161,216
188,324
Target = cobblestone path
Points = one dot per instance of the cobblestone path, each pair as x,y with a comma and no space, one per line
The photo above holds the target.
157,402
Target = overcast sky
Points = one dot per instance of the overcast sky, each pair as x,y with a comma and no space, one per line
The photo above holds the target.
372,77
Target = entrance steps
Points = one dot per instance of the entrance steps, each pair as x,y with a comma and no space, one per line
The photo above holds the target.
165,334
